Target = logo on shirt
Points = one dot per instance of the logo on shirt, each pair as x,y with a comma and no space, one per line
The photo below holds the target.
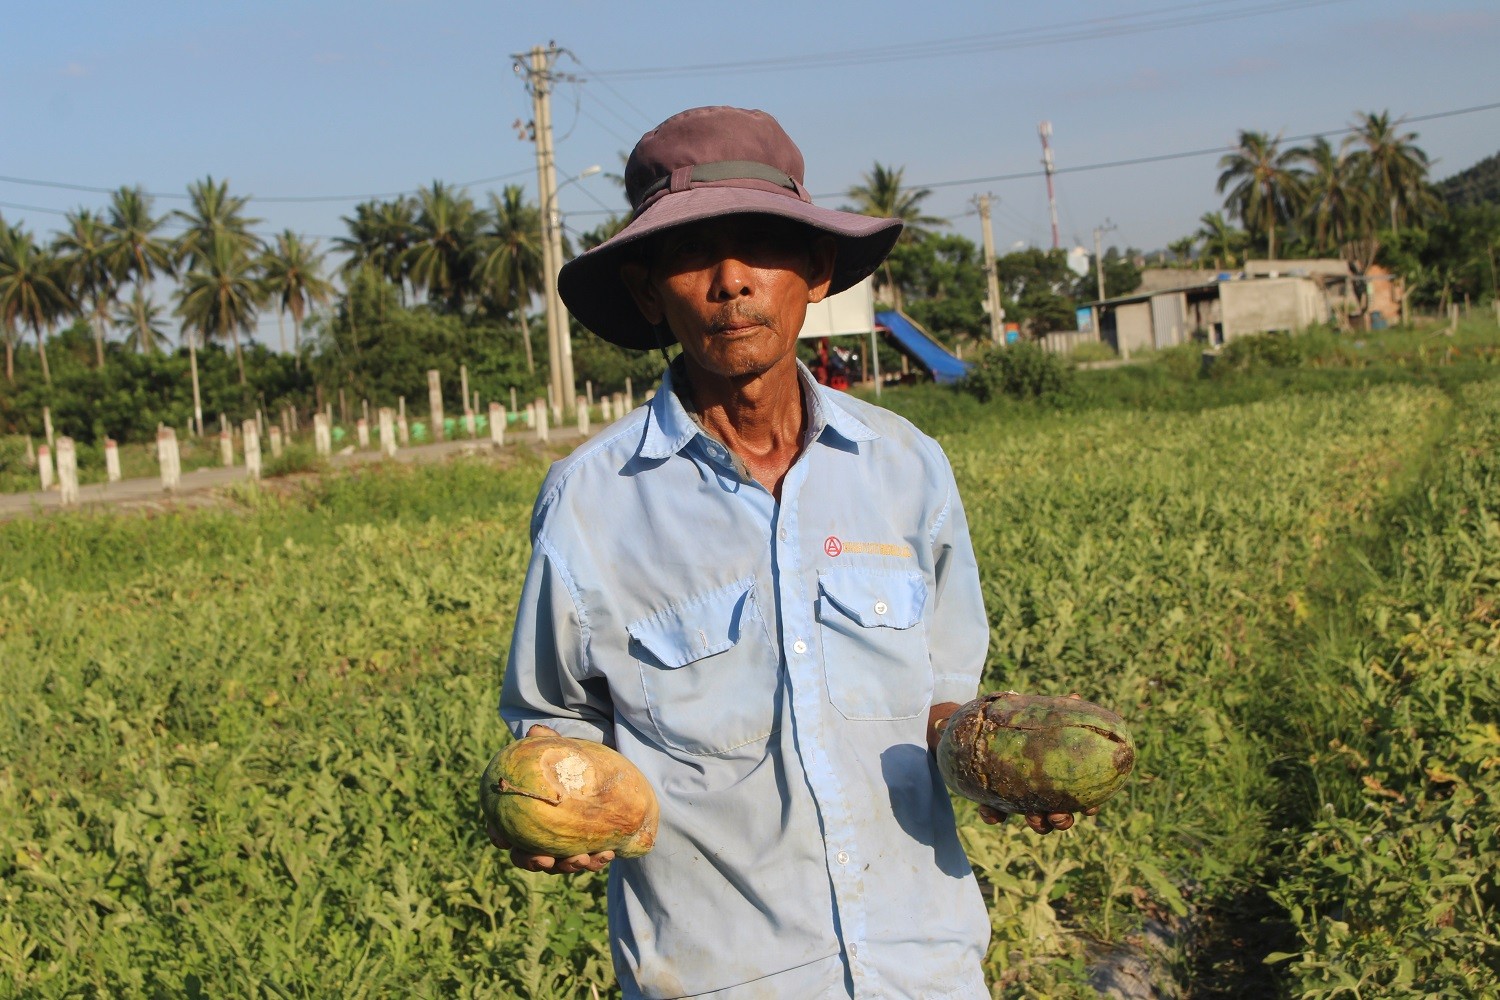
833,547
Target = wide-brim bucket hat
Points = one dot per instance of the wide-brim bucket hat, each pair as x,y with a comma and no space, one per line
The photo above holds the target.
701,164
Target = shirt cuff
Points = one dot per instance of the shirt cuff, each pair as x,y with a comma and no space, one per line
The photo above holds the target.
575,728
954,687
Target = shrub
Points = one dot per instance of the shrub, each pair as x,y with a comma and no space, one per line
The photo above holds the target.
1024,371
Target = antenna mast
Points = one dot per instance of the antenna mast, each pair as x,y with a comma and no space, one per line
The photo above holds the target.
1045,131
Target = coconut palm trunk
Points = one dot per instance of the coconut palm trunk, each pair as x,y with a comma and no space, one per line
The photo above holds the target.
41,349
192,339
525,327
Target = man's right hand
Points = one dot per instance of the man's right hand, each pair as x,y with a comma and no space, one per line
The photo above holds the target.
545,862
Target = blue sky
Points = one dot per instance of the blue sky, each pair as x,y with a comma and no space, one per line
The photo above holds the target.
341,98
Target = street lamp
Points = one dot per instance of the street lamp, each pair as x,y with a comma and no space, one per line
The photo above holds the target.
559,343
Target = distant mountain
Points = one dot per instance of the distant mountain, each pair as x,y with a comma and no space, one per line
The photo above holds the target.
1477,185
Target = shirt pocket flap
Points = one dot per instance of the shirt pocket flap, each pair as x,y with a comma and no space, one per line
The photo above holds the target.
872,598
705,625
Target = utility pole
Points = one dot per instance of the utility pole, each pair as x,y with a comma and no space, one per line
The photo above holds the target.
1045,131
1099,231
537,65
997,311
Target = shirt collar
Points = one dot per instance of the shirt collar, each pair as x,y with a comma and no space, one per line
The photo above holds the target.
670,427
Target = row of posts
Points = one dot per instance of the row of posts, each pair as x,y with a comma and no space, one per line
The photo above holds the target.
393,429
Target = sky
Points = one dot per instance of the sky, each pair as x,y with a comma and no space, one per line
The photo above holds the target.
309,107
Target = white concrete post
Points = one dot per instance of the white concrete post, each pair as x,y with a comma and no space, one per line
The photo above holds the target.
619,400
497,424
251,434
588,391
67,471
531,416
470,424
364,411
275,441
226,446
387,432
606,412
435,403
260,421
111,460
403,432
629,396
541,419
168,458
362,432
581,404
322,435
47,424
30,453
44,466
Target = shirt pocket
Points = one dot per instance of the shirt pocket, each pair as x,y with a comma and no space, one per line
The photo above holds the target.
875,655
709,671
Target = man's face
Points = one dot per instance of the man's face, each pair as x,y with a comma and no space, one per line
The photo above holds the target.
734,290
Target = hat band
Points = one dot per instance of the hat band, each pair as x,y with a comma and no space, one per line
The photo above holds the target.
683,178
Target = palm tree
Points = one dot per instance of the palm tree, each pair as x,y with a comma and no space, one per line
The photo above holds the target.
141,320
134,251
218,298
1394,165
380,234
292,274
84,250
214,212
510,257
1222,243
1267,185
1337,198
882,195
33,290
8,330
1182,249
440,260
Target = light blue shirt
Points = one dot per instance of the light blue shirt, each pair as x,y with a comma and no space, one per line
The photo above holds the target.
769,667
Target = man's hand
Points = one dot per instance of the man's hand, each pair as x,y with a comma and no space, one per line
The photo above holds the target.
545,862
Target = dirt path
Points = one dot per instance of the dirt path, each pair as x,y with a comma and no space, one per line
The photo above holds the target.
196,487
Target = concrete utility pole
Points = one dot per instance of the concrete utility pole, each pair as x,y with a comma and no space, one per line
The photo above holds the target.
992,279
1099,231
537,65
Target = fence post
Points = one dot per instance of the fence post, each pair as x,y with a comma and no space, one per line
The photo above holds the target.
629,396
111,460
581,404
275,441
67,471
540,406
387,432
470,424
362,432
47,425
226,445
168,458
251,433
44,466
435,403
497,424
322,435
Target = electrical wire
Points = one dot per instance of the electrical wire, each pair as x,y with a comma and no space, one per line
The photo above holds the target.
1156,19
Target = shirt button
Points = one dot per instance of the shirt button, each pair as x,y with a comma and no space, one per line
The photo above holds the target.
854,951
843,857
880,608
781,533
799,646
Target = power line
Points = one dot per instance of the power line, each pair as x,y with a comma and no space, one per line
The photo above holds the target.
1157,19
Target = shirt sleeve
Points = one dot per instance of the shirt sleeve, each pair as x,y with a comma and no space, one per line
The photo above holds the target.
958,630
546,682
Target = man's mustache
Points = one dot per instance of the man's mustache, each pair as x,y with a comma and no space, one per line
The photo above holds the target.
740,317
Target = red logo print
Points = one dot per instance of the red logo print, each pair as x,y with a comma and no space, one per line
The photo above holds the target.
832,546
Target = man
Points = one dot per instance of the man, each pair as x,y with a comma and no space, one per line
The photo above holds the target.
763,593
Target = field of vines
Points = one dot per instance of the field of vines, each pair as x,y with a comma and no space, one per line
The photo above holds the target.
239,746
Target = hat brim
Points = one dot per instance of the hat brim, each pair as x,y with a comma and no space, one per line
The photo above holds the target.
593,290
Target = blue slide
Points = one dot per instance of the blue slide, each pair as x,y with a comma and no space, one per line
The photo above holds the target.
917,342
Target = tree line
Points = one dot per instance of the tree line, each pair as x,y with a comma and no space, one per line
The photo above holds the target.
436,279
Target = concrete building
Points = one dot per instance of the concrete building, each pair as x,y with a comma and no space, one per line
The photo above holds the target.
1212,312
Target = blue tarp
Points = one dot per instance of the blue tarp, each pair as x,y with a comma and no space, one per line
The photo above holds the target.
917,342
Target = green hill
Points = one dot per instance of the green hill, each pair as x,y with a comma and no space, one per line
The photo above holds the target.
1477,185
